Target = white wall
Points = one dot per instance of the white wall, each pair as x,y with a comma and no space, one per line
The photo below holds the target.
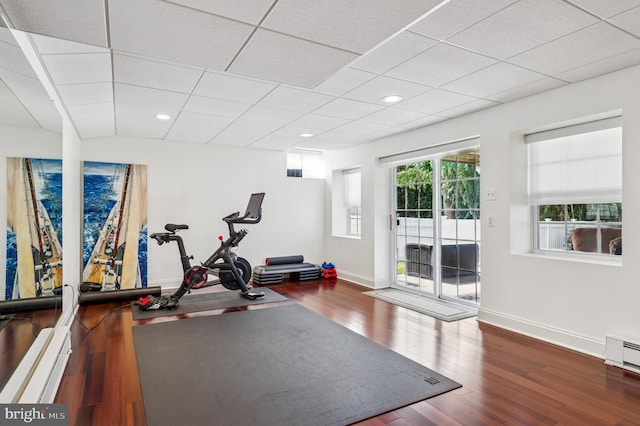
199,184
25,143
575,304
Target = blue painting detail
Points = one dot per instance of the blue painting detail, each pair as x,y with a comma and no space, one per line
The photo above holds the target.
47,177
104,186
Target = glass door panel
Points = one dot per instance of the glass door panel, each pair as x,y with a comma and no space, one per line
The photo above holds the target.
460,242
437,245
414,236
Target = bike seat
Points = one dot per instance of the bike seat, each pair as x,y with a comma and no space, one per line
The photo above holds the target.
173,228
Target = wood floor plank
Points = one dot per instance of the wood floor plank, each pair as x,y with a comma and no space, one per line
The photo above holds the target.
507,378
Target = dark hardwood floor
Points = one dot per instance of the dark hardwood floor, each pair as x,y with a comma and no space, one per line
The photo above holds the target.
18,335
507,378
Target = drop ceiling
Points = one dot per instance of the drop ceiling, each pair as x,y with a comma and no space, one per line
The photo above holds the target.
259,73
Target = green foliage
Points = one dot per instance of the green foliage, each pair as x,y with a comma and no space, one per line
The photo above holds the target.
460,189
610,212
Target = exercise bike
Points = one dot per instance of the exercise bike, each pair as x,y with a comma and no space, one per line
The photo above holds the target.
232,271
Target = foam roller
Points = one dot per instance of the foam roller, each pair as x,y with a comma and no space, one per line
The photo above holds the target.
284,260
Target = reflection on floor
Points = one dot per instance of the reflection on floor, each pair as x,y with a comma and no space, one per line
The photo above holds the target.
463,288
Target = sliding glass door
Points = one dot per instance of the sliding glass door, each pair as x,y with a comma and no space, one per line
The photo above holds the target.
437,226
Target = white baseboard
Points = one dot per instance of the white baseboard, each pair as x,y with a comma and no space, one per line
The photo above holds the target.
576,342
357,279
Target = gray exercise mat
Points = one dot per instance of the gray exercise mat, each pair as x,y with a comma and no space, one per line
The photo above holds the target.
283,365
195,302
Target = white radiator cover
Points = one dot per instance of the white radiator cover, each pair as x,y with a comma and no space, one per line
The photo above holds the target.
623,352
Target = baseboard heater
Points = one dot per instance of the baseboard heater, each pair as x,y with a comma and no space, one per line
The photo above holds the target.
623,353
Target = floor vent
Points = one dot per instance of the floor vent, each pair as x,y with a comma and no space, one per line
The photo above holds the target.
623,353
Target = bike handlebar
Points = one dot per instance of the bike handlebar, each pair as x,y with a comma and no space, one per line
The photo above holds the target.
236,218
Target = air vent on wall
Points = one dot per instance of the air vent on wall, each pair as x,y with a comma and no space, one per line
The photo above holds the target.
623,353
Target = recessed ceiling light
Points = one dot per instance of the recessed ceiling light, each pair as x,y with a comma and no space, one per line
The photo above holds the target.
392,99
306,135
162,117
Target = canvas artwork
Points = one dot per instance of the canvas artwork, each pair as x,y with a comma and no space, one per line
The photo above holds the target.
34,228
115,220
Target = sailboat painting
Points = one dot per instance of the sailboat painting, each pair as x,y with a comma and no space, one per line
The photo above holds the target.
34,228
115,225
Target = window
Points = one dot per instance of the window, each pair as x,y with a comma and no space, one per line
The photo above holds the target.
352,182
346,211
575,187
304,163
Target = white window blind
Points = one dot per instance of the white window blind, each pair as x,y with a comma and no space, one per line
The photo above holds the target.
352,187
577,164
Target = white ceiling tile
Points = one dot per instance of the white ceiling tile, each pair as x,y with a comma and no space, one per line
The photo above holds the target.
7,37
440,65
246,131
250,11
435,101
154,74
578,49
7,96
606,9
87,93
228,87
629,21
91,111
374,90
14,60
342,81
331,22
148,101
393,116
400,48
454,17
275,141
23,86
86,23
271,116
46,114
329,140
257,123
28,97
291,131
50,45
361,128
522,26
494,79
78,68
16,115
294,99
315,123
421,122
212,106
128,125
529,89
204,121
473,106
611,64
348,109
277,57
95,128
175,33
190,133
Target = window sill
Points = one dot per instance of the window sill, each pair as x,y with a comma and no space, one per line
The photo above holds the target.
349,237
607,260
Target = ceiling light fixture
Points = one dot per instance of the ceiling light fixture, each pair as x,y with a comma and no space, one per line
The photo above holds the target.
162,117
392,99
306,135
